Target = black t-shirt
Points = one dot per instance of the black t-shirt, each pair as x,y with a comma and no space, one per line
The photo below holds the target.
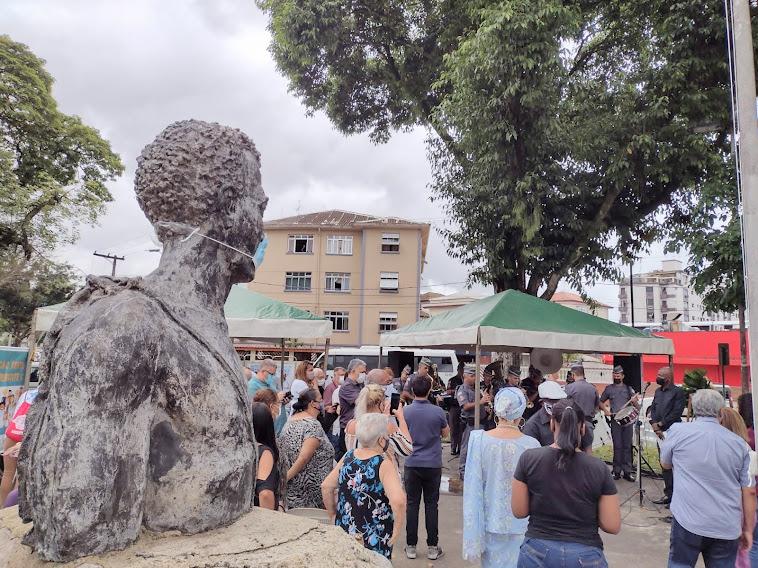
563,505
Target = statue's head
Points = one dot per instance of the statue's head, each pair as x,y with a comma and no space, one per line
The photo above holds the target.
201,175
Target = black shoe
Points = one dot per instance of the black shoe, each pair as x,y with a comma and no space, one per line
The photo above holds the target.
616,475
662,501
630,477
667,519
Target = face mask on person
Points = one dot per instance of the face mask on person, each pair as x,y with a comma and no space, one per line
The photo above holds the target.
340,379
661,381
361,378
320,382
617,380
318,406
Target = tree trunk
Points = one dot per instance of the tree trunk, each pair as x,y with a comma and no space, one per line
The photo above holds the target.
744,371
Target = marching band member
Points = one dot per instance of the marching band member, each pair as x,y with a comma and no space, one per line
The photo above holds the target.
614,398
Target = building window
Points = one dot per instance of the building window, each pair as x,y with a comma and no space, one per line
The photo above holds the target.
390,242
389,282
342,245
340,320
337,282
297,282
300,244
387,321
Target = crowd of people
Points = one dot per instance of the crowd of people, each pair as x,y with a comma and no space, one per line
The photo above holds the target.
366,447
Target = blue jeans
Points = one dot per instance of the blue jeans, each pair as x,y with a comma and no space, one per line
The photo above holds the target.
541,553
686,547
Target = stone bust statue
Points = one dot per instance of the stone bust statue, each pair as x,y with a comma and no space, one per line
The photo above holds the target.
142,416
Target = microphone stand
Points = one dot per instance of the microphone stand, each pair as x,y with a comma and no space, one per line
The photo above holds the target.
638,431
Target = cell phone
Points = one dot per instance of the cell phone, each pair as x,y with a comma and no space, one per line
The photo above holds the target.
287,397
394,401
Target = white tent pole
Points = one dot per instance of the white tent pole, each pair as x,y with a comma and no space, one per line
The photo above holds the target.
477,387
281,368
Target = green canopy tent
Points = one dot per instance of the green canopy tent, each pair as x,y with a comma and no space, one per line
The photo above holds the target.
514,320
248,314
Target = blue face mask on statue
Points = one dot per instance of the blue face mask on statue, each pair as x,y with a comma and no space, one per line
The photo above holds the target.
260,252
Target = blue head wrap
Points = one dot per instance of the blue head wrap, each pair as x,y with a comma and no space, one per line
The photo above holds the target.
510,403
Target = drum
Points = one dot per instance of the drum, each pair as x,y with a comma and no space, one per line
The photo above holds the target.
627,415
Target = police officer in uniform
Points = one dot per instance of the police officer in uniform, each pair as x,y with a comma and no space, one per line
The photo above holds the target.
466,398
613,399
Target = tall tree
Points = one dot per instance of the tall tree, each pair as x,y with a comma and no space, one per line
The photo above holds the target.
710,232
53,175
26,285
559,128
53,168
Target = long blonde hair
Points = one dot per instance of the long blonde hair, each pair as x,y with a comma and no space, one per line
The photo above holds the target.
732,421
371,396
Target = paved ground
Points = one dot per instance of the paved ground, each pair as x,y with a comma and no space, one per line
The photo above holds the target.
642,543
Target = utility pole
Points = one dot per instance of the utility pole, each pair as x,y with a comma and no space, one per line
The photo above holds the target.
747,126
631,291
112,257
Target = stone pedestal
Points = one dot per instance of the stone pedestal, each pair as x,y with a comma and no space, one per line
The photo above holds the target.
260,539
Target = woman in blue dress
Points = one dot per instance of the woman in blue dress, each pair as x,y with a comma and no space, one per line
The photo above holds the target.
363,493
490,531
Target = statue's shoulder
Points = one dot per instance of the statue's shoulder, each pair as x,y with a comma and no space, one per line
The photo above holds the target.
109,303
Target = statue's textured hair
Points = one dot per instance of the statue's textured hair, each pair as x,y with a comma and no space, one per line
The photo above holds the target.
194,171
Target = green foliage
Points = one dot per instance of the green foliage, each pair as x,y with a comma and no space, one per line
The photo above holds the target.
695,379
53,168
562,131
26,285
710,232
53,175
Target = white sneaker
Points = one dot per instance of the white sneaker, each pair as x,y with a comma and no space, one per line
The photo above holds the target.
410,552
435,552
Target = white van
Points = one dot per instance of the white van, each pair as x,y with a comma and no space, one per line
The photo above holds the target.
395,357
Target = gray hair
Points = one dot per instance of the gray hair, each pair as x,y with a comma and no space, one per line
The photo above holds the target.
369,428
318,372
354,364
707,403
268,362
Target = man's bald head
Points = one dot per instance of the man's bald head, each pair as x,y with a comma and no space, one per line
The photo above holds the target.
378,377
666,374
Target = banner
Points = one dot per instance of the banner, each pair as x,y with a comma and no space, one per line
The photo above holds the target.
12,375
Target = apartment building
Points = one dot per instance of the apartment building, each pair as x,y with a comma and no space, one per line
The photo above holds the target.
662,295
361,271
576,302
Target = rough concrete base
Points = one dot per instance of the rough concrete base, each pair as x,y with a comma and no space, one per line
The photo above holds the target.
260,539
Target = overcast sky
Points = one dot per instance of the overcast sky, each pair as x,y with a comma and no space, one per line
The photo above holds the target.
131,68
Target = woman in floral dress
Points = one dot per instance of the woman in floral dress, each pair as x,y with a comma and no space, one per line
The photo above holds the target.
363,493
